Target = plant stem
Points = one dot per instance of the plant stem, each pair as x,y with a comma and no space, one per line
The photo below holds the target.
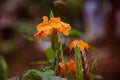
57,46
85,66
78,61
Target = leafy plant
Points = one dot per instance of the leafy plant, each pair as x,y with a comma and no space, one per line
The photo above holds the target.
61,68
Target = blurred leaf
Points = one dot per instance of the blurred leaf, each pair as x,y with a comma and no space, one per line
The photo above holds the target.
37,75
47,75
30,38
58,78
50,54
75,33
14,78
74,5
3,69
43,69
51,14
52,63
94,67
32,75
26,28
91,47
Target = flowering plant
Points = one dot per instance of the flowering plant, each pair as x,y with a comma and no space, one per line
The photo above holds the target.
60,67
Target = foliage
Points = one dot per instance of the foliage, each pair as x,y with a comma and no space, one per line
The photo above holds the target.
3,69
75,33
94,67
38,75
50,54
32,75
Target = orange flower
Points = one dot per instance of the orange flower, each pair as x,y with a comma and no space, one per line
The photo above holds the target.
46,27
43,29
62,69
81,44
60,26
71,66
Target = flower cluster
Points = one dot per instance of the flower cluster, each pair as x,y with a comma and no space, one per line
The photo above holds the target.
78,69
71,66
47,26
81,44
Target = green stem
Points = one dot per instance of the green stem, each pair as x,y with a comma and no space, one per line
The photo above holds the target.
57,46
78,61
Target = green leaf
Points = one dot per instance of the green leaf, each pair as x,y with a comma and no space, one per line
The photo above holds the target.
47,75
37,75
30,38
75,33
94,67
32,75
50,54
3,69
51,14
